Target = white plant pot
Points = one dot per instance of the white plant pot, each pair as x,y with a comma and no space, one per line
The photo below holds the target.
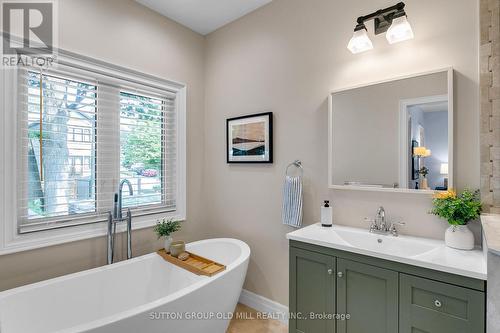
168,242
459,237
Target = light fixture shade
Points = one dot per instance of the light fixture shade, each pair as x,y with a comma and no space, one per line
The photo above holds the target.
419,151
399,30
444,169
360,42
428,153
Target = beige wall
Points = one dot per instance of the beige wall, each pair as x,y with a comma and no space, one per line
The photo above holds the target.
127,34
286,57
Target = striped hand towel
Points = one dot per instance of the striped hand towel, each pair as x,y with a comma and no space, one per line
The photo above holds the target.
292,201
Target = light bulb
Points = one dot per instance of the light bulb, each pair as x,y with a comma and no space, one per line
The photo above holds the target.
399,30
360,42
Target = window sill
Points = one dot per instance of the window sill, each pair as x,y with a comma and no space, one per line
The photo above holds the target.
41,239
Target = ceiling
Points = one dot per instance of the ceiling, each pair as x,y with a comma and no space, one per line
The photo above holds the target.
203,16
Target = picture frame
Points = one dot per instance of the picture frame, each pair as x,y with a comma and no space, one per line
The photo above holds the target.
249,138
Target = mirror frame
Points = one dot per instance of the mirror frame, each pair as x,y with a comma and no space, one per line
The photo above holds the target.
451,161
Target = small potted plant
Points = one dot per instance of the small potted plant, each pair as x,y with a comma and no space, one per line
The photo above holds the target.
458,210
165,228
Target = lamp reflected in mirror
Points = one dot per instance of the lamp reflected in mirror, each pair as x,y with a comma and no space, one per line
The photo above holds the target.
444,171
421,153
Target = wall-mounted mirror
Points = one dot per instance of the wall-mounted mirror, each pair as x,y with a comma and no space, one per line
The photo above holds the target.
394,135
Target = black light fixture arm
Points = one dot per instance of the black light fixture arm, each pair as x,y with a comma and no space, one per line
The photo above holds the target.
383,18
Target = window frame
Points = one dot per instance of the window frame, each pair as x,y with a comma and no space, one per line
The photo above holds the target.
81,226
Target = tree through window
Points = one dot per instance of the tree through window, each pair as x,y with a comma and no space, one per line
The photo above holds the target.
142,129
60,110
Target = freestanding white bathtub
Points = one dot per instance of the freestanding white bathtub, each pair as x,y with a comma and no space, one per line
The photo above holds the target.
141,295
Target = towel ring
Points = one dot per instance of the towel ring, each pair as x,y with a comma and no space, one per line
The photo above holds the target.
297,164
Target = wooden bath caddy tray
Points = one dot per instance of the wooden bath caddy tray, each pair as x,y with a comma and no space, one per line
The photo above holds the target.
195,263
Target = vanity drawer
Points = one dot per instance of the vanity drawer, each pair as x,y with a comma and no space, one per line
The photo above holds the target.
435,307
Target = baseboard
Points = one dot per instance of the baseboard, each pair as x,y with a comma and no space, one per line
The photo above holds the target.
260,303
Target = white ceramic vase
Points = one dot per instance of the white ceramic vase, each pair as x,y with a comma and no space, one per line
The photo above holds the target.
459,237
168,242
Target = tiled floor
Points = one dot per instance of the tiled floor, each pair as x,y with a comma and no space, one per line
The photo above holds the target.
246,320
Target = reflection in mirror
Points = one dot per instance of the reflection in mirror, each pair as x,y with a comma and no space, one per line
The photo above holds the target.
393,134
427,133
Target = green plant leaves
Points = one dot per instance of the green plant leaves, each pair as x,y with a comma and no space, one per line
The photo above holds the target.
166,227
458,210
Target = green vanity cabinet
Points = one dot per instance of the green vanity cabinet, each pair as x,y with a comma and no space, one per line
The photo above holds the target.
436,307
369,295
313,283
380,296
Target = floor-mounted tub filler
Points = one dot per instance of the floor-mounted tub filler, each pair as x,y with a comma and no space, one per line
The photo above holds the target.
145,294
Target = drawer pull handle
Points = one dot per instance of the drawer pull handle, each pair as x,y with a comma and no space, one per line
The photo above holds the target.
340,274
330,271
438,303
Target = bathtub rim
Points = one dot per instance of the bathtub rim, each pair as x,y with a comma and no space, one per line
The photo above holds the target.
205,280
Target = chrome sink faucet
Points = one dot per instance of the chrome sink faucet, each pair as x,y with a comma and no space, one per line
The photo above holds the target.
380,226
380,219
116,217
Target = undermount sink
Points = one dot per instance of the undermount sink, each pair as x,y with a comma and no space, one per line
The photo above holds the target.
399,246
417,251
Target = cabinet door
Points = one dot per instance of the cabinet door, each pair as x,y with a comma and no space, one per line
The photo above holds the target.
312,291
427,306
369,295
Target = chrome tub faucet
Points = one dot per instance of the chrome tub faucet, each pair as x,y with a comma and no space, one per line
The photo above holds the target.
117,216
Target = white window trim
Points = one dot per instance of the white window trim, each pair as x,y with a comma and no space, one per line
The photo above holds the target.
10,240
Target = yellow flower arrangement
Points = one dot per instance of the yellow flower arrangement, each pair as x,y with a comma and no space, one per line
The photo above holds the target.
457,209
451,193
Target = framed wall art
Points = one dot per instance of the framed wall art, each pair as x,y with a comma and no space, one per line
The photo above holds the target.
250,138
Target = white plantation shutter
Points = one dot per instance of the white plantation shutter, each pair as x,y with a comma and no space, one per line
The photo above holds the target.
147,149
58,145
95,131
107,152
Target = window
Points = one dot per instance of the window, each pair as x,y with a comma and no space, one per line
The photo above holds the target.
66,134
87,135
58,109
142,137
83,133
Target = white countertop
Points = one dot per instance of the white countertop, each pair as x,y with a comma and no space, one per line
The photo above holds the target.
416,251
491,231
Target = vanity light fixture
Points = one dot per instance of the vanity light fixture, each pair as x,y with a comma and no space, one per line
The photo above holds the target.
360,41
400,30
391,20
